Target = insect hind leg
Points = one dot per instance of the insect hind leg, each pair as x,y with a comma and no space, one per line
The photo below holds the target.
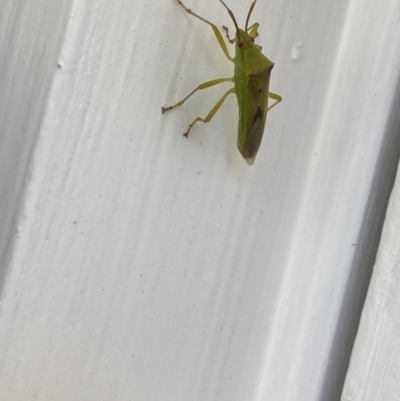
275,97
212,112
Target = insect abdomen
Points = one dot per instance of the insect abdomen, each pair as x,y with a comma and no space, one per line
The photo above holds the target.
253,105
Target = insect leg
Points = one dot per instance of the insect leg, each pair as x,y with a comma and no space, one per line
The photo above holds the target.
217,33
253,30
225,28
204,85
210,115
276,97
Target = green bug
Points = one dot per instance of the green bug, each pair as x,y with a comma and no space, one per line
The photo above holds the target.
251,79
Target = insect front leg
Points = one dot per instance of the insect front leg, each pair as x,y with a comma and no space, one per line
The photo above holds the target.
212,112
276,97
204,85
225,28
253,30
217,33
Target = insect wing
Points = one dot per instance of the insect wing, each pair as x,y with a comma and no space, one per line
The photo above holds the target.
255,110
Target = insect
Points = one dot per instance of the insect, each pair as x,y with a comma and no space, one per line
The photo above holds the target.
252,71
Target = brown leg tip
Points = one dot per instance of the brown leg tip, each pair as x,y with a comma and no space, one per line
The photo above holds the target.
162,110
186,134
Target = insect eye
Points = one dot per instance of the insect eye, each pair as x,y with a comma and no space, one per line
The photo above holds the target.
240,43
252,39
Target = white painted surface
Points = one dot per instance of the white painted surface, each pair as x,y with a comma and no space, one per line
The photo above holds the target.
31,35
374,372
150,267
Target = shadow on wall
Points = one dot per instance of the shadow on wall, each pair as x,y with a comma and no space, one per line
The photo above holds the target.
34,34
364,258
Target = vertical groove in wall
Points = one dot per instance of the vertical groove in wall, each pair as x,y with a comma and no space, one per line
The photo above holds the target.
32,35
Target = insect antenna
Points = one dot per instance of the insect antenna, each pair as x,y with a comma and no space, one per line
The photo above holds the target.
232,16
248,15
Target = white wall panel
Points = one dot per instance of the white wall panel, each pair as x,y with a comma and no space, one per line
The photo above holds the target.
374,372
31,36
148,266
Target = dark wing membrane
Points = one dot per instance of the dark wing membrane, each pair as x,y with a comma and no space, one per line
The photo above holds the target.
255,107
